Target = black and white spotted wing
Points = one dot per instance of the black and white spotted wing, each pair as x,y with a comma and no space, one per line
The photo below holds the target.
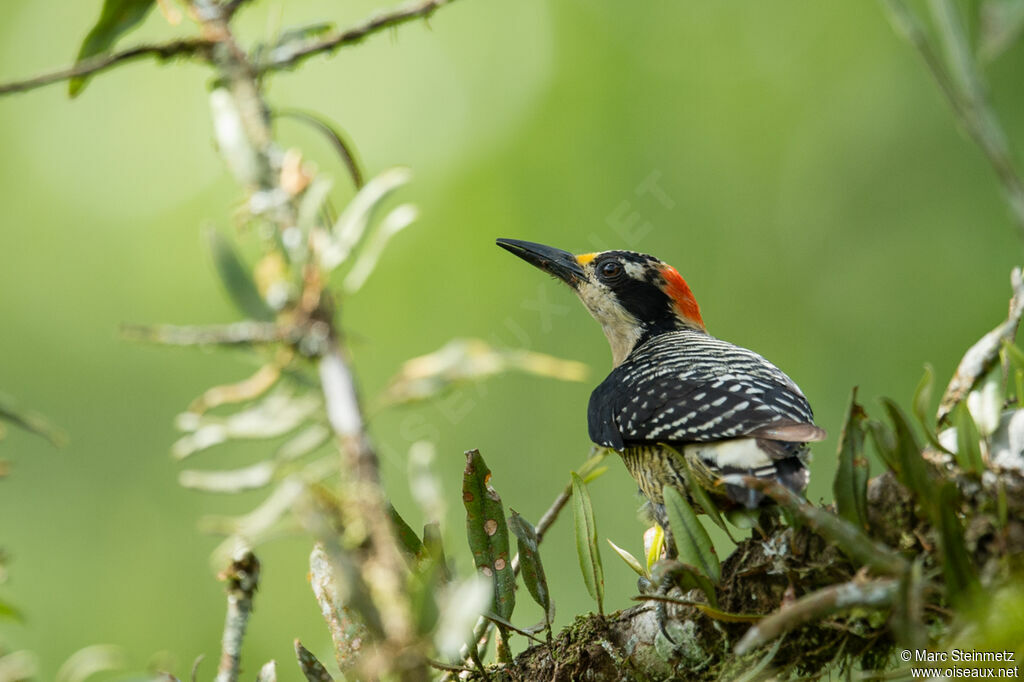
688,387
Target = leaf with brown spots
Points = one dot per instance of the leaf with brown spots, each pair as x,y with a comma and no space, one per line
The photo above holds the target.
488,532
312,669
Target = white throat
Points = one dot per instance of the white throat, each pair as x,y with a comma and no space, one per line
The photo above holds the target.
621,328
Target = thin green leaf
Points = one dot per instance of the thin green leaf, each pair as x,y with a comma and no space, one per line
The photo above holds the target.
407,538
433,549
961,578
692,541
343,147
529,561
423,587
850,483
968,441
237,279
914,471
1011,351
923,394
488,532
885,445
921,406
30,421
594,475
593,463
586,541
117,18
630,560
908,608
701,497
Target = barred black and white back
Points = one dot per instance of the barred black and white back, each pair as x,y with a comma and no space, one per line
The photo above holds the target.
725,405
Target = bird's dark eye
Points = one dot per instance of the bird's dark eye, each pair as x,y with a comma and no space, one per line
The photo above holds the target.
610,269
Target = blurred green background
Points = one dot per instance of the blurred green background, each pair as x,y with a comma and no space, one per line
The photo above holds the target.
812,188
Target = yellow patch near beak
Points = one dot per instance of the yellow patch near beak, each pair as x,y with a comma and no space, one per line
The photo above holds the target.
585,258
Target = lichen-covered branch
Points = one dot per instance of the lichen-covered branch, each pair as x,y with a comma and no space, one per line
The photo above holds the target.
287,56
817,605
197,48
242,577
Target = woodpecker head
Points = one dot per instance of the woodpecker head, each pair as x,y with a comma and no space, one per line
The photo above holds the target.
634,296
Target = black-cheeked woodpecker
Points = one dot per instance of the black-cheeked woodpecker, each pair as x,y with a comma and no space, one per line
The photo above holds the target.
725,409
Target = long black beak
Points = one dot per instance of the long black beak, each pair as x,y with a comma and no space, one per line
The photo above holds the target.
561,264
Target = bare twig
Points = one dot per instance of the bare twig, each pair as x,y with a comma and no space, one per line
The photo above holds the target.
815,606
347,633
287,56
197,48
242,577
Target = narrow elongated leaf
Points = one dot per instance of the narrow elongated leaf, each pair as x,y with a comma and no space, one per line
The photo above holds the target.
529,561
923,395
586,541
237,279
885,445
850,483
701,497
117,18
914,472
433,549
692,541
407,538
630,560
922,404
907,608
968,441
961,578
344,148
422,587
594,462
30,421
488,532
